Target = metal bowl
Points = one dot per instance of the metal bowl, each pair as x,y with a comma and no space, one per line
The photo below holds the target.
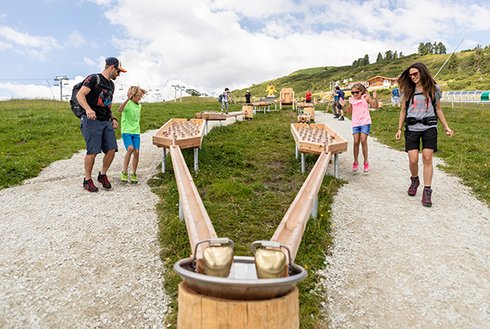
242,282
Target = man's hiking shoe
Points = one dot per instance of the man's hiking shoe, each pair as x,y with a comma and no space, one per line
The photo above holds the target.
355,166
426,197
366,166
124,177
134,179
412,190
89,185
104,181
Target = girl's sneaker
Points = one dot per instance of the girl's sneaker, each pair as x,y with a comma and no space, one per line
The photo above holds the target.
366,166
355,166
124,177
134,179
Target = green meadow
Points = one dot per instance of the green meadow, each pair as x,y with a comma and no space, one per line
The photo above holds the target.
248,175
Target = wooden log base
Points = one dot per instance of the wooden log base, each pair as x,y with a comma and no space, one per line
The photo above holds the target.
204,312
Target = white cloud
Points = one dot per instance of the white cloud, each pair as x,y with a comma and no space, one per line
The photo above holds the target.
76,39
36,46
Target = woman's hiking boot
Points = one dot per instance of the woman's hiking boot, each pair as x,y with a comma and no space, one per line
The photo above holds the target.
426,197
412,190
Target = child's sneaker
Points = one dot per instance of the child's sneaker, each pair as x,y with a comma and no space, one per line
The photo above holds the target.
89,185
355,166
134,179
366,166
341,118
412,190
426,197
124,177
102,178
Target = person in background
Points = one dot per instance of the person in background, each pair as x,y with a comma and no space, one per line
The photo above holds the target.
395,96
225,98
340,99
98,124
248,97
359,104
420,110
308,96
130,131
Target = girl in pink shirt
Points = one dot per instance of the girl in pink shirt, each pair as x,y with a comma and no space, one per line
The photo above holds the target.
361,121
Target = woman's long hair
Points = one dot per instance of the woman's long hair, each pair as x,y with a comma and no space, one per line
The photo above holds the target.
407,86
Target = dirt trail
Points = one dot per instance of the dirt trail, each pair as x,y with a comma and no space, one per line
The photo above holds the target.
397,264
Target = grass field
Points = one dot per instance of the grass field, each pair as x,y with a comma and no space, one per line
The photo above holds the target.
247,178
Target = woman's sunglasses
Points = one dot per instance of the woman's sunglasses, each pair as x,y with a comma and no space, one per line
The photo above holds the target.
355,92
412,75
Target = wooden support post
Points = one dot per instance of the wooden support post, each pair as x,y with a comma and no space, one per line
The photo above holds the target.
203,312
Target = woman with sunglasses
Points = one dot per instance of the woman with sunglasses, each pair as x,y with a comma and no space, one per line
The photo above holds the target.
359,105
420,110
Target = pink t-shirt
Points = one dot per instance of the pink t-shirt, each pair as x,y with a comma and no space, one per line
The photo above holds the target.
360,112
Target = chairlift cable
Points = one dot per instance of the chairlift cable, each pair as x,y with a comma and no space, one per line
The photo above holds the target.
449,58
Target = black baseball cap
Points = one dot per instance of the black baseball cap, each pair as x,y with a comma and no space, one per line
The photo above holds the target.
114,61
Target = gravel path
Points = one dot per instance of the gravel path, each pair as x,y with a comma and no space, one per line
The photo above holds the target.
71,259
397,264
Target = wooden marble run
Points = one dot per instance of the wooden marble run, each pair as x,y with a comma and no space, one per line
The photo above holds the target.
264,105
237,291
317,139
185,133
286,97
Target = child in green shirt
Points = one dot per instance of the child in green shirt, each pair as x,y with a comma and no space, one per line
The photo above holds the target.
130,131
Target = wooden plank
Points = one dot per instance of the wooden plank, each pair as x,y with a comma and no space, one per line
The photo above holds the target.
198,223
203,312
290,230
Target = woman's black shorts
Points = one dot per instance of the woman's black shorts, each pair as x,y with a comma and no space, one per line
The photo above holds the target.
428,137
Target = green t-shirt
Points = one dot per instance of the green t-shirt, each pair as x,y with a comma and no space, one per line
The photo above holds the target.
130,119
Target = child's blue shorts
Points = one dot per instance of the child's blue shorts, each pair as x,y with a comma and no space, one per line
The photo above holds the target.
131,140
366,129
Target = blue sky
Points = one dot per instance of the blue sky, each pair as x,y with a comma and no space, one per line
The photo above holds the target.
212,44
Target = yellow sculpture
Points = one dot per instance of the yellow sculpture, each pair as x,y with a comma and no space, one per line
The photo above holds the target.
271,90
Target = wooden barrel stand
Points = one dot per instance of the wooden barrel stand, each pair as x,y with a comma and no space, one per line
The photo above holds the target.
204,312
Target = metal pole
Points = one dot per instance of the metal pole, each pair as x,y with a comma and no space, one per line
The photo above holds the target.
163,160
302,163
196,159
314,211
336,166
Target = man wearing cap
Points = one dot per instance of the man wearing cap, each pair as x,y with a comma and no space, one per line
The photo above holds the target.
98,124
